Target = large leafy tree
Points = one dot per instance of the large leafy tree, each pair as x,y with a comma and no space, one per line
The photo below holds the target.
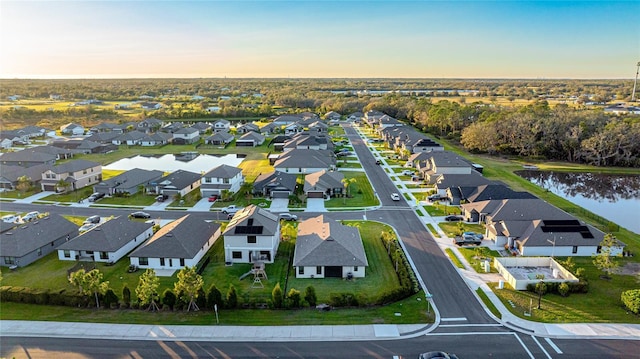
147,289
90,283
24,184
189,283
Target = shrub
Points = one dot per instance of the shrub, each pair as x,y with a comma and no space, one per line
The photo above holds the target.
276,296
232,297
110,299
631,300
563,289
580,287
343,300
294,298
214,297
201,300
310,296
169,298
126,296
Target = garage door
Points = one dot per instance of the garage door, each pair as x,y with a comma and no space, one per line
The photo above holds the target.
315,195
279,194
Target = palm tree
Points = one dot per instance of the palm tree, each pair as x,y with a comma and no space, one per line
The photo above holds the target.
347,182
63,186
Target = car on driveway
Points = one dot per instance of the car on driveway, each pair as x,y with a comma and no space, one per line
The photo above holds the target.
232,209
436,197
407,173
85,227
140,214
213,198
453,218
30,216
288,217
10,218
467,239
395,196
95,196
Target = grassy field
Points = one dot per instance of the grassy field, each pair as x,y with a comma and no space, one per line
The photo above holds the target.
361,193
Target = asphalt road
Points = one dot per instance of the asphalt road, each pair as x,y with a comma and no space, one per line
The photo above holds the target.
495,344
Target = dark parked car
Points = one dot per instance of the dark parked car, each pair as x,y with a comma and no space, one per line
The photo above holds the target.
453,218
288,217
92,219
437,355
378,162
161,197
139,214
95,196
467,239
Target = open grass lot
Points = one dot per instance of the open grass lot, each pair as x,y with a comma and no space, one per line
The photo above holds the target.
137,199
50,273
361,193
73,196
255,164
601,305
452,229
437,209
18,194
471,256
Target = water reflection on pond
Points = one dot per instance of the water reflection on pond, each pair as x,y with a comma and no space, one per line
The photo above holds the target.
614,197
170,163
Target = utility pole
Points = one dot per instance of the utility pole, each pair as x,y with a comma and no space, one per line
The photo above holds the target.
633,93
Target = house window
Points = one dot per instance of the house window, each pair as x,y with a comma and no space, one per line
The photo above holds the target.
251,239
143,261
207,180
300,270
225,180
70,173
575,250
84,172
318,270
67,254
355,269
181,262
599,249
236,255
39,251
162,262
104,255
9,260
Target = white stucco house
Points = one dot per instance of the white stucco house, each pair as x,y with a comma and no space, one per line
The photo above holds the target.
253,235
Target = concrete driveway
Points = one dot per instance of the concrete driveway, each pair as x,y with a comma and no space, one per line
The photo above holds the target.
315,205
279,205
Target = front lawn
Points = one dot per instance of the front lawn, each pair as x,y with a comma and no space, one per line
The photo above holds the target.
18,194
361,193
137,199
189,200
437,209
73,196
475,260
452,229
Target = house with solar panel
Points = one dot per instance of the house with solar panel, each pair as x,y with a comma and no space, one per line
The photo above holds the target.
253,235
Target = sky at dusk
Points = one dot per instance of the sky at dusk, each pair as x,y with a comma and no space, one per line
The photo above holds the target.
417,39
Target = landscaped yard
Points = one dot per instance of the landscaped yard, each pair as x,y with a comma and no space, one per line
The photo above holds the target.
189,200
600,305
437,209
471,255
74,196
361,193
452,229
137,199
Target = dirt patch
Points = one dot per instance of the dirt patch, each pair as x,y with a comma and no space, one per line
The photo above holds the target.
629,269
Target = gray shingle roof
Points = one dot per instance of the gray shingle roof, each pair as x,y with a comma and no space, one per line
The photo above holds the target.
74,166
27,156
301,158
276,180
131,178
261,221
182,238
179,179
26,238
328,243
323,180
109,236
223,171
12,173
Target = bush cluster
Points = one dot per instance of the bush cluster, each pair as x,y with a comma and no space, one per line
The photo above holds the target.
631,300
563,289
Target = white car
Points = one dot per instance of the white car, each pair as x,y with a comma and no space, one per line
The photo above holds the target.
30,216
395,196
10,218
407,173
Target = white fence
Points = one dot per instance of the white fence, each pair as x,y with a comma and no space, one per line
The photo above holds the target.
551,271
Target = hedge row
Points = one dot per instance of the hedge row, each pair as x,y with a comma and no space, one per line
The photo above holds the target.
557,288
39,296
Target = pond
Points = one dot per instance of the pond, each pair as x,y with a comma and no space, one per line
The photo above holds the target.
614,197
170,163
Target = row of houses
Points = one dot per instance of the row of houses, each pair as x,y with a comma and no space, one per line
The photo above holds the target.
324,248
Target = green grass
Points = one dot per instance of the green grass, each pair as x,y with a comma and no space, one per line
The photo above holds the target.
255,164
74,196
488,303
600,305
137,199
433,230
454,258
361,192
452,229
349,165
438,209
470,255
106,174
189,200
18,194
77,220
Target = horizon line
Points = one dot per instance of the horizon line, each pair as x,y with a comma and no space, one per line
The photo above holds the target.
310,78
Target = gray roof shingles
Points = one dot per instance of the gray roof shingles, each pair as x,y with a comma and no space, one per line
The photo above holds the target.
109,236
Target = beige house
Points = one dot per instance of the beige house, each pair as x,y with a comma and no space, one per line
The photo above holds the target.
78,174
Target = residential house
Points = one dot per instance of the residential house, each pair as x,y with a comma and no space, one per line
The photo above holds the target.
270,128
9,175
324,184
132,138
36,131
278,142
178,182
172,127
221,126
460,194
443,183
223,177
185,136
27,158
60,153
23,244
319,127
72,129
5,143
125,127
104,137
328,249
150,124
305,161
202,127
309,140
292,129
107,242
103,127
221,138
84,146
252,235
355,117
150,105
250,139
156,139
275,184
78,174
248,127
332,115
127,182
178,244
286,119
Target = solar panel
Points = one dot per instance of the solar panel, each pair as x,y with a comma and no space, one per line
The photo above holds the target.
248,230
